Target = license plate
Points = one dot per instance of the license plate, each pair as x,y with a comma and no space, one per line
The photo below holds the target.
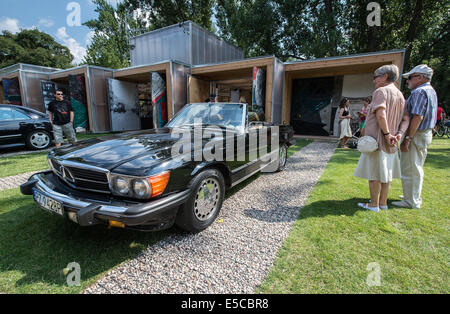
48,203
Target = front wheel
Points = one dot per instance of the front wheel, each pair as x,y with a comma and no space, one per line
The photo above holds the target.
440,130
205,202
38,139
282,158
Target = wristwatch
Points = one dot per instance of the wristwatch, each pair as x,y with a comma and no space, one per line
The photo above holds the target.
409,137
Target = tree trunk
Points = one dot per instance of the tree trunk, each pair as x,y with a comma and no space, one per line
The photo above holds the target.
412,31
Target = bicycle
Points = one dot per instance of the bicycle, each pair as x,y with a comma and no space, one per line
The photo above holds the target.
441,129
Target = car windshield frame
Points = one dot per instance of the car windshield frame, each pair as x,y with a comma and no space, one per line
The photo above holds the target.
181,119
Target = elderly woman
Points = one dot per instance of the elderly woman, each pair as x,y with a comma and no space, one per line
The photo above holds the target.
386,121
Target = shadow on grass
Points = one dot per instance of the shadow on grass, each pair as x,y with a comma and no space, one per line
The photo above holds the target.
39,245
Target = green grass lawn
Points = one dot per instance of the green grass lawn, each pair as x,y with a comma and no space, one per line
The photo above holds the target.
36,246
333,242
14,165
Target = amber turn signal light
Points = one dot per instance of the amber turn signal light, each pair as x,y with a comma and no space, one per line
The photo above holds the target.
116,224
159,183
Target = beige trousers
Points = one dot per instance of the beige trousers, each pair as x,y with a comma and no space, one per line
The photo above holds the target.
411,163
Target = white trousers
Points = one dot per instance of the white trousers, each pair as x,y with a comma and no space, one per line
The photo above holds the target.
411,163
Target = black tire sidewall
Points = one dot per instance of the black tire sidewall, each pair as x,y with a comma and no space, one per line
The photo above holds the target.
28,140
280,166
186,218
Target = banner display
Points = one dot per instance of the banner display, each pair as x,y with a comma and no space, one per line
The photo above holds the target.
78,97
48,93
124,106
11,91
159,99
259,92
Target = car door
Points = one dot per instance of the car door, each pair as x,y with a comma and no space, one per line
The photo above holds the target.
9,127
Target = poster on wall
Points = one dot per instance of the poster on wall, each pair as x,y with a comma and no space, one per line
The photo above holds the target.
11,91
48,93
77,88
159,100
124,106
259,92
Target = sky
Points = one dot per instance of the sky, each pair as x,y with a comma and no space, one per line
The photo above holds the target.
62,19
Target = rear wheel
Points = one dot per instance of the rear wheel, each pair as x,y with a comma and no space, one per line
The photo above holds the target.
205,202
38,139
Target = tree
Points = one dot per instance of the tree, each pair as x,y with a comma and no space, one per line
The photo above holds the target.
114,25
162,13
33,47
109,47
420,27
290,29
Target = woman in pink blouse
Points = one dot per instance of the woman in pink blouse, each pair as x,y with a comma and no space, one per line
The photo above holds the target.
386,121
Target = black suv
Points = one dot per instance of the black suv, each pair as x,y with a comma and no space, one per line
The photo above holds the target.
19,125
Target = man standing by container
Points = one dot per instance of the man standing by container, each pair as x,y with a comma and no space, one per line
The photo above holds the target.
61,117
422,107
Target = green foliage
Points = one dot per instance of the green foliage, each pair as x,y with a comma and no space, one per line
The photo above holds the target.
33,47
109,46
162,13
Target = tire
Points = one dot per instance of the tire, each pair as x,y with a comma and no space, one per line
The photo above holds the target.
440,131
282,158
38,140
205,202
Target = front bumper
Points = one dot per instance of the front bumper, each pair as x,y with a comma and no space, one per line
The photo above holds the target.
92,209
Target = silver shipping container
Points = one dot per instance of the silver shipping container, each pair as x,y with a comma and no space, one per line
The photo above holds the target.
188,43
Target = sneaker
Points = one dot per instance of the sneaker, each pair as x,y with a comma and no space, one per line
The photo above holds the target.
401,204
366,206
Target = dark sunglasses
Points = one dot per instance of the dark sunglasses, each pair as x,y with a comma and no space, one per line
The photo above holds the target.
59,94
412,76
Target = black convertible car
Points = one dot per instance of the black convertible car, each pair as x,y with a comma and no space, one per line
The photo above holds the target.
19,126
149,180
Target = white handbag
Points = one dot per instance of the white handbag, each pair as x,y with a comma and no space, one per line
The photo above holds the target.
367,144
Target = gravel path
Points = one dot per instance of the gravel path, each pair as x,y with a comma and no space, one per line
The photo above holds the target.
235,254
12,182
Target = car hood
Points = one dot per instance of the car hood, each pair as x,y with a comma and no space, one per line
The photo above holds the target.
112,151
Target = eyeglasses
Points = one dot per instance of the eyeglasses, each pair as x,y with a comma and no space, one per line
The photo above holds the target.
375,76
59,94
412,76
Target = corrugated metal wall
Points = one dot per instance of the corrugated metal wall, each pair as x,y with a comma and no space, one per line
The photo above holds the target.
190,44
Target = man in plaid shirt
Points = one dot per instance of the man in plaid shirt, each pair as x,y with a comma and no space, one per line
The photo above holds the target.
422,107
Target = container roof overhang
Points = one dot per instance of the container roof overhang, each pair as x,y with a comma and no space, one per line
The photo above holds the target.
231,70
141,74
344,65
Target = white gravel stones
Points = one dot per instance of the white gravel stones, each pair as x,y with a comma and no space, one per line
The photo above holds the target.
235,254
13,182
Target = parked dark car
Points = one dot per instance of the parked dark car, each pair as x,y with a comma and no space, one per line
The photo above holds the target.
19,126
146,180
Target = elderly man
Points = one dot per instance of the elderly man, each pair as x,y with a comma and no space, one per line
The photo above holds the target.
422,107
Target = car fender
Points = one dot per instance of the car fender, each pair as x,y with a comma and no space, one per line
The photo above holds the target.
221,166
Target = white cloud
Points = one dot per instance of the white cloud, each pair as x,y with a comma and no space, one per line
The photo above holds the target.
89,37
9,24
46,23
75,48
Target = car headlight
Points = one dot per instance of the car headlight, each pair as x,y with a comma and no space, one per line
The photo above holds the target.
122,186
138,187
141,188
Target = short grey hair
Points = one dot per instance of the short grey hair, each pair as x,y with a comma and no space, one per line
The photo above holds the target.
391,70
426,76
